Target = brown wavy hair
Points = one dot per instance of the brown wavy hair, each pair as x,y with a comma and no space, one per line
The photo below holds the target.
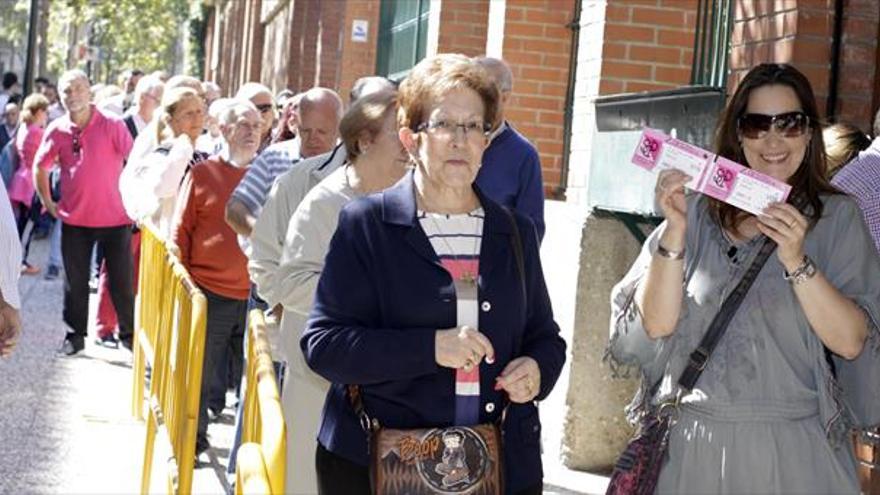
437,76
810,180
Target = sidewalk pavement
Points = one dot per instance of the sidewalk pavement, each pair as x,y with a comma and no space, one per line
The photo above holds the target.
66,425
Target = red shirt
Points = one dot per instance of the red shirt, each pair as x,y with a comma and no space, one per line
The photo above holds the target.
208,246
91,161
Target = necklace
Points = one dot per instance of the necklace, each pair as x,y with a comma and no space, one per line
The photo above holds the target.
467,276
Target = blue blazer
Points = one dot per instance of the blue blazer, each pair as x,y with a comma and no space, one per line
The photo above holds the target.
382,296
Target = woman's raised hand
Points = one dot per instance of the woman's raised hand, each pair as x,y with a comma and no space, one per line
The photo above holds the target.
669,194
462,347
784,224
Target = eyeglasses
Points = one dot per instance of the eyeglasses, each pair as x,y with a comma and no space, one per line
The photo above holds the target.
444,129
265,107
757,125
77,149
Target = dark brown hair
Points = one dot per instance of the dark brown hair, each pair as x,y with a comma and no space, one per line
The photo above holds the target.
810,180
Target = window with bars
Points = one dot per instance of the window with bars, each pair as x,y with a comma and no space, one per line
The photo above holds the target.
712,43
403,36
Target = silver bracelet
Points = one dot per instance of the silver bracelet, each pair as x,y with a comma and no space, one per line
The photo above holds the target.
805,271
672,255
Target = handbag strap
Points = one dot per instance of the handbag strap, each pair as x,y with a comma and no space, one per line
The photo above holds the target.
698,359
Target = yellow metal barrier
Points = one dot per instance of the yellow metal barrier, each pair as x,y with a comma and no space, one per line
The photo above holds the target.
250,474
170,338
263,425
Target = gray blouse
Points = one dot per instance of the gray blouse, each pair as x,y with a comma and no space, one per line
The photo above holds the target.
768,369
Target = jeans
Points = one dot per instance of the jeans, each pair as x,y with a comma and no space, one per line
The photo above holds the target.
55,258
254,302
77,244
225,327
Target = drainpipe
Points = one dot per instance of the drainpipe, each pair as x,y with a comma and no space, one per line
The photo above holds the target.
575,26
831,104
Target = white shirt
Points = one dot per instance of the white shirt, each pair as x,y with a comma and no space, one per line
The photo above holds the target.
10,253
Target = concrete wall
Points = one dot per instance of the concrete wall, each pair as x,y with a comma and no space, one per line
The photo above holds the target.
595,427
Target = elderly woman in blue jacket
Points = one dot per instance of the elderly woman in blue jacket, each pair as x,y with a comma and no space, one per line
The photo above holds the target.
425,301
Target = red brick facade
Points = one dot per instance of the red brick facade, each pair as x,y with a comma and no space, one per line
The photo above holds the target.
463,26
644,45
309,42
648,45
801,32
537,45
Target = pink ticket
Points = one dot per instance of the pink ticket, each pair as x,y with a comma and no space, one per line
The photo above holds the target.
711,174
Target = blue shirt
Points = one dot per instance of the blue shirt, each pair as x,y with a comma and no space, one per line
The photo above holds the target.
253,190
511,175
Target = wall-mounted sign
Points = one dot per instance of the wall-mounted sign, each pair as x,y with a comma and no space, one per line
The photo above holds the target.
359,30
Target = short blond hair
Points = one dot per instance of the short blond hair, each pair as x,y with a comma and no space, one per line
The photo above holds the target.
31,106
365,118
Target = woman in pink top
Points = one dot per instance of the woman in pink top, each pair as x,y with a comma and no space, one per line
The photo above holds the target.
34,116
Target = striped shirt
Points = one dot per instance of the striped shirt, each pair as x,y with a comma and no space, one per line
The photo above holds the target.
253,190
457,239
860,178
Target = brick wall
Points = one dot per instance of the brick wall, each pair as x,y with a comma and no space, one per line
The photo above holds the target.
327,54
648,45
358,59
858,85
276,48
537,46
801,32
463,26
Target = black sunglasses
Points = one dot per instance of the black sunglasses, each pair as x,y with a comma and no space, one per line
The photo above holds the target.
757,125
265,107
76,146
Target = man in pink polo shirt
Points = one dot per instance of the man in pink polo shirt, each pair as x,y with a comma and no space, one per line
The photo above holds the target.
90,149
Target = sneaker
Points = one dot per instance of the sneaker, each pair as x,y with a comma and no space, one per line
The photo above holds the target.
52,272
107,341
69,348
27,269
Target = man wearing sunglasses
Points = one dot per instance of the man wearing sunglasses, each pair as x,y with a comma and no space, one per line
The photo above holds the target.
90,149
262,98
860,178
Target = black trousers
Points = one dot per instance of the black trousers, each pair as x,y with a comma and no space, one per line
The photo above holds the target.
337,475
77,244
224,330
27,213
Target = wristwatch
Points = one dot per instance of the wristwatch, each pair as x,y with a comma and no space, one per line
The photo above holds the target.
803,272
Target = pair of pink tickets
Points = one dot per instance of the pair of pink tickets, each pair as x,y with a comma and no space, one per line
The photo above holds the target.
710,174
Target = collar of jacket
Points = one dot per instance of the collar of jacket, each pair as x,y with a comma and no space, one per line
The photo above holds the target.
399,207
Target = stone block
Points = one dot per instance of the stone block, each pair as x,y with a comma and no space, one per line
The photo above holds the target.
596,429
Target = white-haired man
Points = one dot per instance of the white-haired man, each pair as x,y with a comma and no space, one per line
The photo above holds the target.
147,97
209,249
262,98
320,110
90,149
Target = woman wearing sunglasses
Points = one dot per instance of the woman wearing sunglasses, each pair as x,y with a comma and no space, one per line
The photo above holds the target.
766,415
